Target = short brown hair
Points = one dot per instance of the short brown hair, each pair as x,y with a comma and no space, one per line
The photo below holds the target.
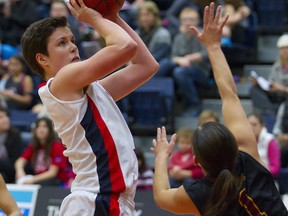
35,40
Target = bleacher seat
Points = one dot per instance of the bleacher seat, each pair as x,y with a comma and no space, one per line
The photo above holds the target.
283,181
272,15
152,105
23,119
26,138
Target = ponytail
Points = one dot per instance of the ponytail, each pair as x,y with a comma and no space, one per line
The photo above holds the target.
224,195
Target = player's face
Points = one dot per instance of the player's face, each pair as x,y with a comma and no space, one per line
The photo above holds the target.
61,49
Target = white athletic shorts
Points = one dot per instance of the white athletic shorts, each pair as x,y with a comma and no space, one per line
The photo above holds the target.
83,203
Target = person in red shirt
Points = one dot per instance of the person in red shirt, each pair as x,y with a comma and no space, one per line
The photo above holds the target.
45,157
182,164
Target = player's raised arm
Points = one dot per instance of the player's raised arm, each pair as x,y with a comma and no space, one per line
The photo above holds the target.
141,68
234,116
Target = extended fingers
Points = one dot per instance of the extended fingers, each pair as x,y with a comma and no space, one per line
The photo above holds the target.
163,133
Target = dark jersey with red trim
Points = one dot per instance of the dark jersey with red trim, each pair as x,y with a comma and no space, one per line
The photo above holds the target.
258,195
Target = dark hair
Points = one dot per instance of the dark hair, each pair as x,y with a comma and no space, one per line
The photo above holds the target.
35,40
140,156
48,142
216,150
20,59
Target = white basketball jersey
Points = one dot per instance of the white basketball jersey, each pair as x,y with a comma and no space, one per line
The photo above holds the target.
98,142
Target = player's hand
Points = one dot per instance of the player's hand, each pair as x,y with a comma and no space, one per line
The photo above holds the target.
161,146
82,13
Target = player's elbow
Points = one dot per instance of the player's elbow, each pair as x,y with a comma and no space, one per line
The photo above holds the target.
159,201
129,48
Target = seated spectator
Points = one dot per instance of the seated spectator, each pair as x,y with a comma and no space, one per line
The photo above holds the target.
171,20
10,147
16,87
238,12
280,130
266,143
44,156
181,164
268,101
189,64
155,37
208,115
145,173
15,17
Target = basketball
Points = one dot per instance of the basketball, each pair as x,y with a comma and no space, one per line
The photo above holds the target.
105,7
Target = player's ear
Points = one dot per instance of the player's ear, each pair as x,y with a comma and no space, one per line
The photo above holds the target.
41,59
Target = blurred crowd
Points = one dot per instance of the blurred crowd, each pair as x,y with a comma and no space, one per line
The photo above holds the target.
163,25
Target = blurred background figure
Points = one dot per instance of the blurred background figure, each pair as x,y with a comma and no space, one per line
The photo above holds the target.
15,17
181,164
43,162
145,175
238,12
150,29
171,19
267,145
16,87
269,101
188,64
10,147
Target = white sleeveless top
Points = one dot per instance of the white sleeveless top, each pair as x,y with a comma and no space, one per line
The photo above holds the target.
99,144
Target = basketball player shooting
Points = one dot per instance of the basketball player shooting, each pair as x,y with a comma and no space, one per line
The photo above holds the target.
80,98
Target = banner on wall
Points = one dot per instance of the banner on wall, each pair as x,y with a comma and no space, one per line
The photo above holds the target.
50,198
25,197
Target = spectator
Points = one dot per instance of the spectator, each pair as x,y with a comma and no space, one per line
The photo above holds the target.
145,173
266,143
189,64
238,11
171,20
280,130
10,146
208,115
269,101
16,85
44,156
182,165
15,17
156,37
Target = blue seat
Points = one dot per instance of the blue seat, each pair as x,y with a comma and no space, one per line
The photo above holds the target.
283,181
152,105
271,13
23,119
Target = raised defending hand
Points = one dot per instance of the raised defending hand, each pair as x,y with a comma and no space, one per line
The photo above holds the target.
212,26
161,146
